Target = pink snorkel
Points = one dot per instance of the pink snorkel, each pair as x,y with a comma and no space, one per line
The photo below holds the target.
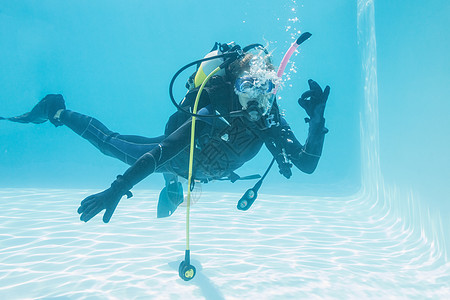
288,55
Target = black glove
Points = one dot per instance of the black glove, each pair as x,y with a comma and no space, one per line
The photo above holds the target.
315,106
108,200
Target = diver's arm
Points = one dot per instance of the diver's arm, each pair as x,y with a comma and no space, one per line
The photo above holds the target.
306,157
166,150
144,166
313,101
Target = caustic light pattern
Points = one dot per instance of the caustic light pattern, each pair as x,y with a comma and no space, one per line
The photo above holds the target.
282,248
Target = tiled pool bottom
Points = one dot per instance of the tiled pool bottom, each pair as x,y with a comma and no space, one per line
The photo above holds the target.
282,248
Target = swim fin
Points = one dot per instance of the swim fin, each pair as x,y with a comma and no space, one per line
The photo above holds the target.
170,198
43,111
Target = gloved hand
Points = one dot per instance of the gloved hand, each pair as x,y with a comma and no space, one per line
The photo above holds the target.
315,106
108,200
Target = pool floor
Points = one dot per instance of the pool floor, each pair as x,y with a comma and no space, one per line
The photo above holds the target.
282,248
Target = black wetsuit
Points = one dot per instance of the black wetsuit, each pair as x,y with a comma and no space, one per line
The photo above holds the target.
221,144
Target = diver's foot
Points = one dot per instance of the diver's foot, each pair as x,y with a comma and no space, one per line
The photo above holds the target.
49,108
170,198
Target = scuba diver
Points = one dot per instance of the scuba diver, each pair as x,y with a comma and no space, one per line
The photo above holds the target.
237,115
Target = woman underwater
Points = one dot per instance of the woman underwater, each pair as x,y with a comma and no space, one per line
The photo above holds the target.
237,115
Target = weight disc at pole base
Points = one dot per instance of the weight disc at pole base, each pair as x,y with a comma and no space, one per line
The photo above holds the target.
186,271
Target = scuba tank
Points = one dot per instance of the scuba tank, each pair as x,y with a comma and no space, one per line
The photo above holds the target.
209,63
221,56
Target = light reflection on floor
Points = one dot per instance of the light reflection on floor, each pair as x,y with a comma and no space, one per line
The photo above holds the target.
283,248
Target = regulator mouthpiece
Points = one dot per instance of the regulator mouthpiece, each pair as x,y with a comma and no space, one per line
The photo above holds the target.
254,111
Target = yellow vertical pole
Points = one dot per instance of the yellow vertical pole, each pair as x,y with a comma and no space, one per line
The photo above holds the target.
191,153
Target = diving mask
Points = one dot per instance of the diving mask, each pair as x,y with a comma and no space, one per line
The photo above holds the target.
255,95
252,86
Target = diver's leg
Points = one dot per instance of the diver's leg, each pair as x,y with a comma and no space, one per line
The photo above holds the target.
127,148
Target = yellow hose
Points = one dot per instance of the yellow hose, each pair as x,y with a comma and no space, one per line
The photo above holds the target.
191,152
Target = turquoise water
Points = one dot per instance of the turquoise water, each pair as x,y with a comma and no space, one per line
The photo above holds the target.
371,222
